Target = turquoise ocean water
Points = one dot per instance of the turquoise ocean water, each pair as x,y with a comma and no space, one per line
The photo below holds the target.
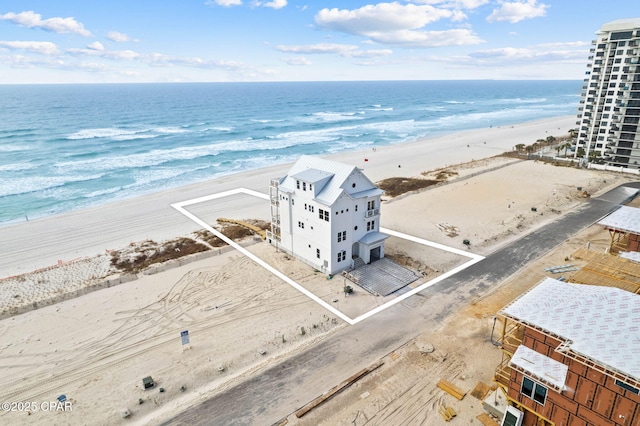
64,147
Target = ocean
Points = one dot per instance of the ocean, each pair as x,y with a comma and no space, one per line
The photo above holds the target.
66,147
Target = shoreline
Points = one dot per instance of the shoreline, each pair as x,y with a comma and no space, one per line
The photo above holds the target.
242,320
44,242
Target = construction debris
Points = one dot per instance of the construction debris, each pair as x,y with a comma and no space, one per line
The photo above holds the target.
337,389
447,413
560,269
481,391
451,389
449,230
486,420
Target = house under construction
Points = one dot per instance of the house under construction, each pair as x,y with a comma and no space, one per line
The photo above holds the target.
571,356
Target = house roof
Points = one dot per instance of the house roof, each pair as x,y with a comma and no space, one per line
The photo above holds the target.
315,169
542,368
625,219
633,256
373,237
601,324
312,175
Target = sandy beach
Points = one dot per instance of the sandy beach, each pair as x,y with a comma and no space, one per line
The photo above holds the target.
96,348
41,243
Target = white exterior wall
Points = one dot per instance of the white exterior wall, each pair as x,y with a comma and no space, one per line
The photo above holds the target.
303,232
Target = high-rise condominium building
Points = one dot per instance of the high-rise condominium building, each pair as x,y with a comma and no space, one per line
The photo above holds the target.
609,111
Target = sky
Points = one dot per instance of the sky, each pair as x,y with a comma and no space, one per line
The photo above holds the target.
135,41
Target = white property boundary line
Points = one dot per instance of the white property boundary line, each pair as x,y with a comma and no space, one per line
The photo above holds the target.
474,258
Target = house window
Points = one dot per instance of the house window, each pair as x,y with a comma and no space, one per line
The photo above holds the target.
311,208
342,255
293,201
326,215
342,236
323,214
298,184
356,207
533,390
371,205
310,187
371,225
304,186
627,387
300,224
305,206
318,253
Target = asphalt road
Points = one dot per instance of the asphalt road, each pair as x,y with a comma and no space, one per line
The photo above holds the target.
274,393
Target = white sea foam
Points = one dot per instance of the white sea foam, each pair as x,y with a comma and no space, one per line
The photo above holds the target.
14,148
16,167
17,185
171,130
120,134
101,133
329,116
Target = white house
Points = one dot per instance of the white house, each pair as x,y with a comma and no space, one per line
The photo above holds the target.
327,214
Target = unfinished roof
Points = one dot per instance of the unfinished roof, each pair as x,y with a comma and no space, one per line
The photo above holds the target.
625,219
607,270
540,367
633,256
598,324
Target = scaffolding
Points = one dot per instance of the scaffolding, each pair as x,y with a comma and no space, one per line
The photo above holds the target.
274,234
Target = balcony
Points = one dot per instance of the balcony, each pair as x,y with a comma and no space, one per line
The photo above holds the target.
372,213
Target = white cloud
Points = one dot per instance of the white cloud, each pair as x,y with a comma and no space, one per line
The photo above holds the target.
419,39
517,11
563,44
399,25
119,37
379,18
225,3
454,4
372,53
96,45
536,54
297,60
94,50
42,47
275,4
345,50
30,19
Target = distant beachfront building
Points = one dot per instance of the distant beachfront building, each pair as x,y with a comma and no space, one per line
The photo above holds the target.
327,214
609,110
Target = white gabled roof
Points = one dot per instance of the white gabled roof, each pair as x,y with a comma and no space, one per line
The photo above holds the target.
331,173
312,175
542,368
625,219
596,322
